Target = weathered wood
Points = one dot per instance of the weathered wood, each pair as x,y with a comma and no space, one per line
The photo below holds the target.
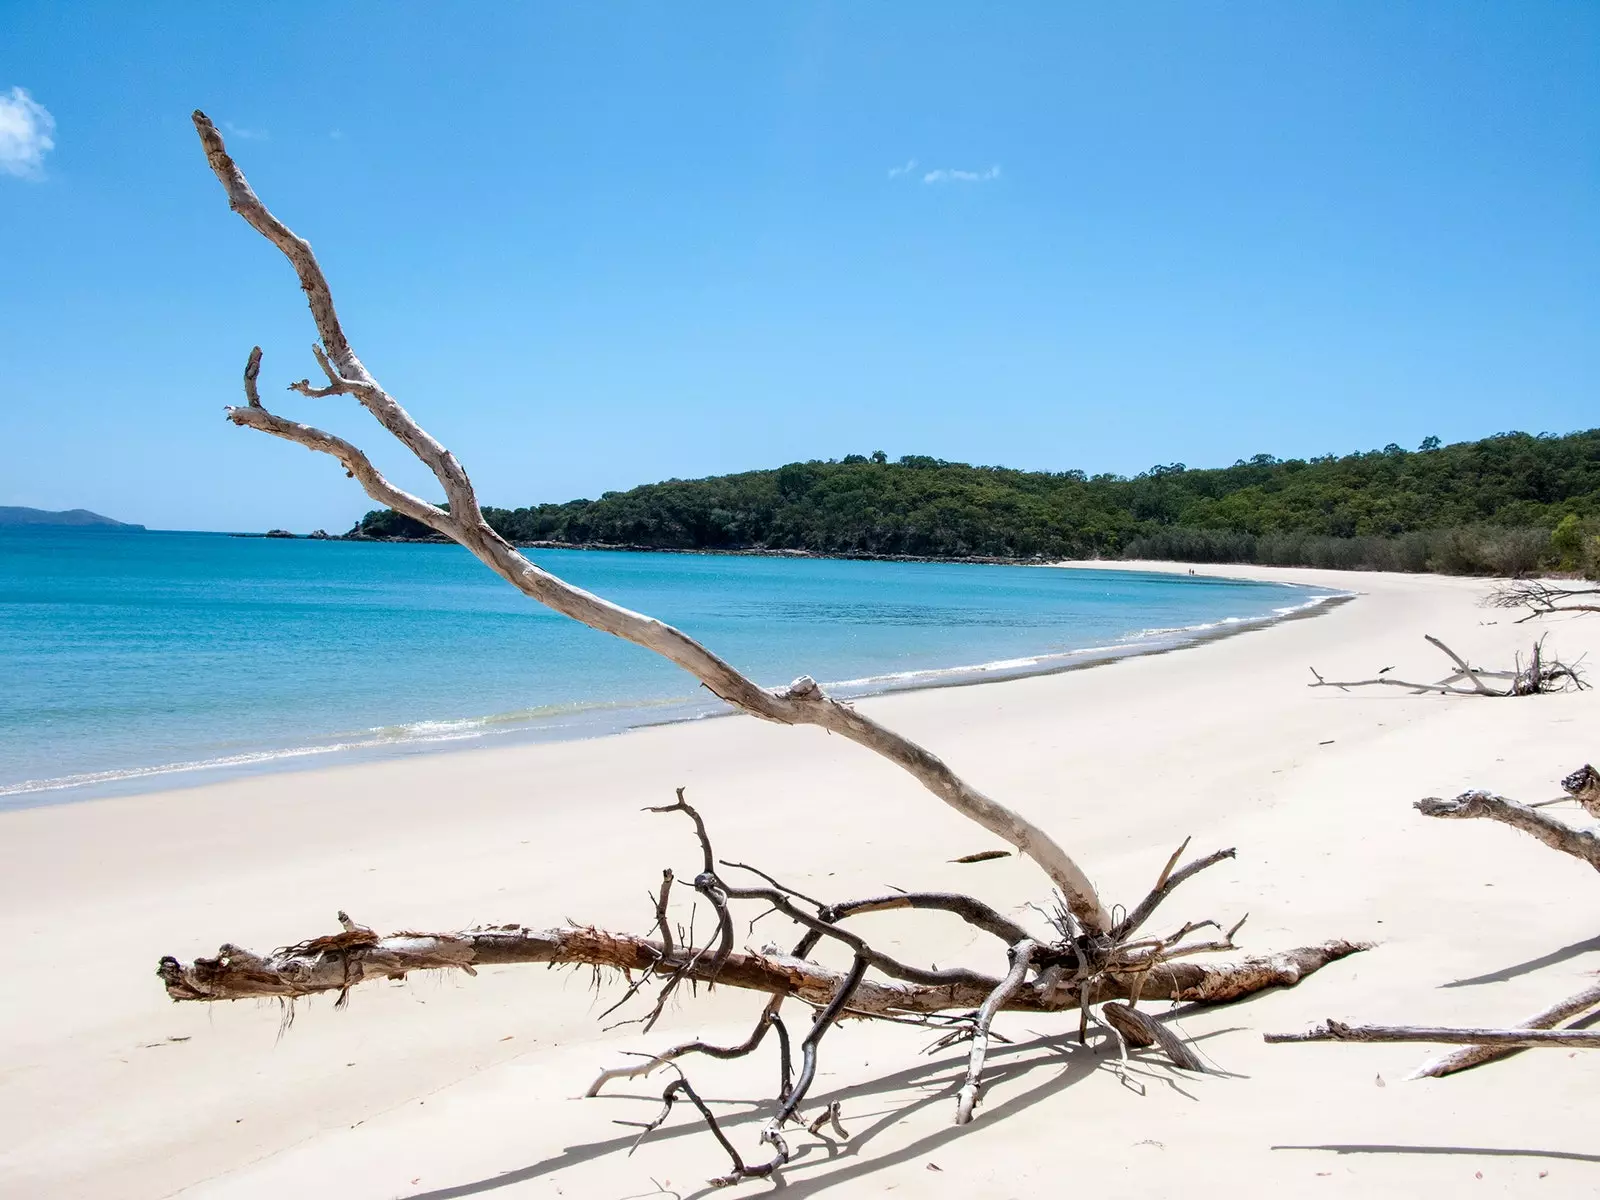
338,963
803,702
1580,843
1542,598
1021,960
1471,1056
1538,677
1338,1031
1140,1029
1583,785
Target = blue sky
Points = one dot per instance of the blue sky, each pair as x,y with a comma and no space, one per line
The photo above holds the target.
594,245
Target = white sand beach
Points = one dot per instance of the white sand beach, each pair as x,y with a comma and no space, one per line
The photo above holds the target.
450,1086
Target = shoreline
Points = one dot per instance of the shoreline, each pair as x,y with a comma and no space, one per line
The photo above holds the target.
606,720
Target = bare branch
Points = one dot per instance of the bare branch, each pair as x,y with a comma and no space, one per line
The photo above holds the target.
1580,843
1471,1056
317,966
1541,598
1338,1031
652,1062
801,703
1539,677
1021,959
1165,886
1461,664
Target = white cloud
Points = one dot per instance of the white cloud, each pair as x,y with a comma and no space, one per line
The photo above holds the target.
249,135
25,129
953,176
911,165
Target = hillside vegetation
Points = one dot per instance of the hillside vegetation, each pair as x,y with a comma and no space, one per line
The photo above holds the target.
1504,504
76,518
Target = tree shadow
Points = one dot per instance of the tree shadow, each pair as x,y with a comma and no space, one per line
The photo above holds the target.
938,1077
1533,964
1484,1151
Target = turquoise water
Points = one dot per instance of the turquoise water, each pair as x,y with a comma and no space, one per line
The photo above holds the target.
131,661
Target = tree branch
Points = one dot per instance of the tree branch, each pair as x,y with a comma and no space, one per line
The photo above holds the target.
1580,843
801,703
1472,1056
336,964
1021,959
1338,1031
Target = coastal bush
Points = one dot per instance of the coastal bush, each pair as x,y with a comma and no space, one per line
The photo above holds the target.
1488,506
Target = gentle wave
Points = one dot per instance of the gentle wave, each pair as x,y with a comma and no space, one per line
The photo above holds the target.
412,733
594,718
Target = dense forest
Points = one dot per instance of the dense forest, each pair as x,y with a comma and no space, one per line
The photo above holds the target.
1505,504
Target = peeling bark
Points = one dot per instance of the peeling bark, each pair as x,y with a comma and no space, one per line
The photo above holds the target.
1580,843
321,965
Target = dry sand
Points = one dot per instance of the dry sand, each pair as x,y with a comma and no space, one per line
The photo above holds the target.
454,1087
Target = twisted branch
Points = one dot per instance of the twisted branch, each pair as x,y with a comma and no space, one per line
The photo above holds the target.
801,703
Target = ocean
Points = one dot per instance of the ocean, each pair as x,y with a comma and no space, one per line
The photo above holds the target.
131,661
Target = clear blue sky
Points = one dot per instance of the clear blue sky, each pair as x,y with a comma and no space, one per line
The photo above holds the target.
593,245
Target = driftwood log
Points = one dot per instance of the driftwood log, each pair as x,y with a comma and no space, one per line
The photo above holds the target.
1539,675
1481,1046
1082,957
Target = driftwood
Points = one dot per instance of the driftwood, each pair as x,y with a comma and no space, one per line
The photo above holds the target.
1481,1046
1086,959
1580,843
1571,1008
801,703
1540,675
1542,598
1338,1031
1067,972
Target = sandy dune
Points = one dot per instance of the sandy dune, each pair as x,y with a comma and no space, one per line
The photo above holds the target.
454,1087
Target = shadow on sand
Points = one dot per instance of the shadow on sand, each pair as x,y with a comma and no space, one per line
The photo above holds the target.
830,1163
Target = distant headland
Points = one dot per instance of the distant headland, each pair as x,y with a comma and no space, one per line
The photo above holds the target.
73,518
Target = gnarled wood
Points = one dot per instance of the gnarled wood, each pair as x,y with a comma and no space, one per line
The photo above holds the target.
1542,598
336,964
1539,676
1580,843
801,703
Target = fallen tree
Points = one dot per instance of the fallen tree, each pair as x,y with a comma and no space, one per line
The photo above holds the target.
1539,675
1082,957
1540,1030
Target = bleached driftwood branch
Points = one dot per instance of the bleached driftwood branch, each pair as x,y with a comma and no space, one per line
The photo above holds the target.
1542,598
334,964
1486,1045
801,703
1580,843
1091,960
1572,1008
1338,1031
1539,676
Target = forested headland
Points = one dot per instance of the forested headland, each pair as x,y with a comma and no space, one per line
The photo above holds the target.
1506,504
